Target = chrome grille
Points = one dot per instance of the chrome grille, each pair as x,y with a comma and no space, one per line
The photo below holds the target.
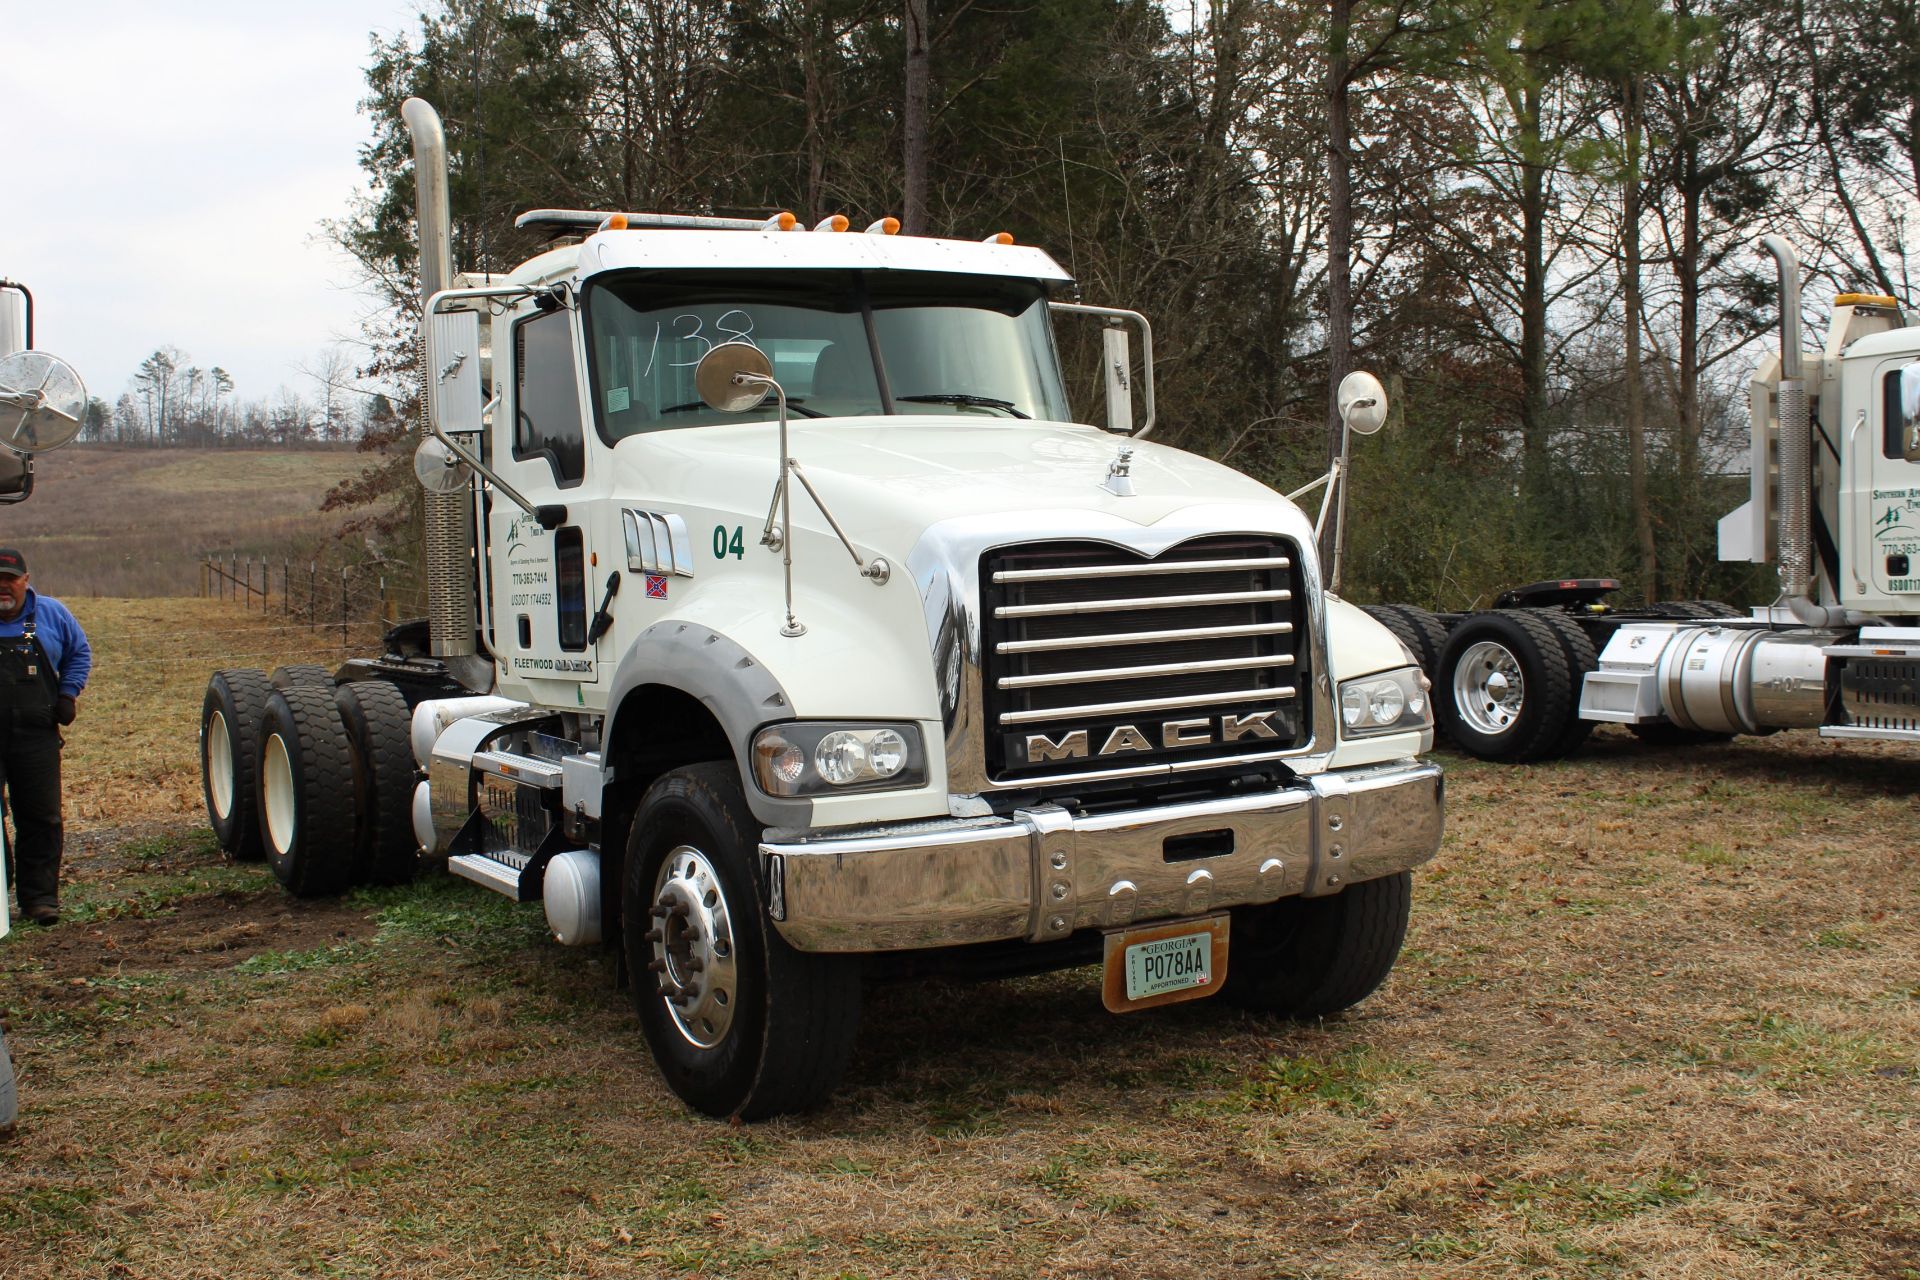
1097,657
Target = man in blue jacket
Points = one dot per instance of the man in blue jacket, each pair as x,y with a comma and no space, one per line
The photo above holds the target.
44,662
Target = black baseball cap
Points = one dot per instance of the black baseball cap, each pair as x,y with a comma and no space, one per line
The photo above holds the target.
12,563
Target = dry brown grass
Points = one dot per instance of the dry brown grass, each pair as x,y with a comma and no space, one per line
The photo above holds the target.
111,521
132,756
1659,1016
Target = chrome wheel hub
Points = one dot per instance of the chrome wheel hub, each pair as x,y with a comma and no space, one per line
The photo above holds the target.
694,957
1488,689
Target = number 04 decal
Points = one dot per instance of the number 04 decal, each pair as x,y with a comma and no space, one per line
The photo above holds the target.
725,544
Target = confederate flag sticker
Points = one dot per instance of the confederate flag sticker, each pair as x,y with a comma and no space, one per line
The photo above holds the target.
656,586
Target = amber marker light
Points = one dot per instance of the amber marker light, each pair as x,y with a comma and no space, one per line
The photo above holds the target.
885,227
999,237
782,221
833,222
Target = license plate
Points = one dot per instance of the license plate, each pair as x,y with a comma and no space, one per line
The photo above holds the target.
1165,963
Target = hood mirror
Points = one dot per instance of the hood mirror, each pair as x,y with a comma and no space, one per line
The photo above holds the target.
733,377
1363,403
42,401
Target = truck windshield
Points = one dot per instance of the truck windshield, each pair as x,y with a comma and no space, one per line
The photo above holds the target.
841,343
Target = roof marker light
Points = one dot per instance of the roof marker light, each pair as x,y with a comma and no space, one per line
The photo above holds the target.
614,222
885,227
999,237
782,221
1864,300
832,222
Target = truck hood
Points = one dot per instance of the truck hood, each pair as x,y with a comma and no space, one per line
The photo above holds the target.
887,479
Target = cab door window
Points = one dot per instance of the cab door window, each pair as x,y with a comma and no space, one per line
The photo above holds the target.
546,397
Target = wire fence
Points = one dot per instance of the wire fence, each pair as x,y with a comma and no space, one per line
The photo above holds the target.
313,596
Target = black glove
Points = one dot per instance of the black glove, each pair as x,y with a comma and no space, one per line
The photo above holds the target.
65,709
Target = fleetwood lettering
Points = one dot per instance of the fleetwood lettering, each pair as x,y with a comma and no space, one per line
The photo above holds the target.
1200,732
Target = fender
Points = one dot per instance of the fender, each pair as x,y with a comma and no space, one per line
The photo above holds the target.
735,686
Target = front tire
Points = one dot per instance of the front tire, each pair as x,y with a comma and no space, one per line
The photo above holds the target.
740,1023
230,717
1310,957
1507,691
306,792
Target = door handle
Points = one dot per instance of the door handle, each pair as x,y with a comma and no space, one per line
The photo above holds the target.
602,619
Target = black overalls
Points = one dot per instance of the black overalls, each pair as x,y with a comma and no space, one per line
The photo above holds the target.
30,766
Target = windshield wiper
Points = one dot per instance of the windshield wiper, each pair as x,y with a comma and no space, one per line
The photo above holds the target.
961,397
795,405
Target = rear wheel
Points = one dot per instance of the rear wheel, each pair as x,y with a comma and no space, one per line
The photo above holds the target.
1581,658
378,725
299,673
306,792
1507,689
739,1022
1309,957
230,717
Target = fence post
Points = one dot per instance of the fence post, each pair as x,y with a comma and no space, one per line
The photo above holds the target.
343,606
233,568
286,587
313,593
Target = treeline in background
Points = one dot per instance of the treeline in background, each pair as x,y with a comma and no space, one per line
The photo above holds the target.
1536,221
172,402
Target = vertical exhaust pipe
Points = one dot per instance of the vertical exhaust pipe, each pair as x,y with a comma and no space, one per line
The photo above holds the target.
1796,455
449,516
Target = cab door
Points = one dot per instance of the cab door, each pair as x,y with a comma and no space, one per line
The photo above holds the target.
543,589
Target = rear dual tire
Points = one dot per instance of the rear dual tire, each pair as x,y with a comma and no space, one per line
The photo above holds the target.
317,778
1509,687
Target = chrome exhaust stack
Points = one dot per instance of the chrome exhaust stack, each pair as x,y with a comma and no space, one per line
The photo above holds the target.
449,516
1796,455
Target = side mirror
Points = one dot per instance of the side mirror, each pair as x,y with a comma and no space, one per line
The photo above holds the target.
1910,412
733,377
42,401
1363,403
458,400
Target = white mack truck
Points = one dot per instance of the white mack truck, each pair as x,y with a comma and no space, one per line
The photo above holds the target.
787,633
41,403
1835,455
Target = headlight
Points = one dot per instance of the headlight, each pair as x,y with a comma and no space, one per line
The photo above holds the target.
1392,702
823,758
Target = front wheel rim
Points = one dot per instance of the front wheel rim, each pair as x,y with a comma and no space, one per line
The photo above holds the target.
694,955
1488,689
277,793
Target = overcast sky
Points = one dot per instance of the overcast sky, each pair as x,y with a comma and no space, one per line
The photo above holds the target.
166,171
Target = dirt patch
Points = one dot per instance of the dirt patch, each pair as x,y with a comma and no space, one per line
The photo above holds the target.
213,932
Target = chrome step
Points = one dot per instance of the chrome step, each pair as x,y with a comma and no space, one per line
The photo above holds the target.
487,872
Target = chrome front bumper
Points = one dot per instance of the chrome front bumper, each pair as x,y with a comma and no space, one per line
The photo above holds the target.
1043,873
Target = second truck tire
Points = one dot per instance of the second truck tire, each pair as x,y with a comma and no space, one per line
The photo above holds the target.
1507,689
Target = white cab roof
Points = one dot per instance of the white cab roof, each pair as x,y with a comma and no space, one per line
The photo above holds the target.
791,251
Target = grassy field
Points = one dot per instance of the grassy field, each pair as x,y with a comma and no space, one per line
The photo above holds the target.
1658,1016
110,521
